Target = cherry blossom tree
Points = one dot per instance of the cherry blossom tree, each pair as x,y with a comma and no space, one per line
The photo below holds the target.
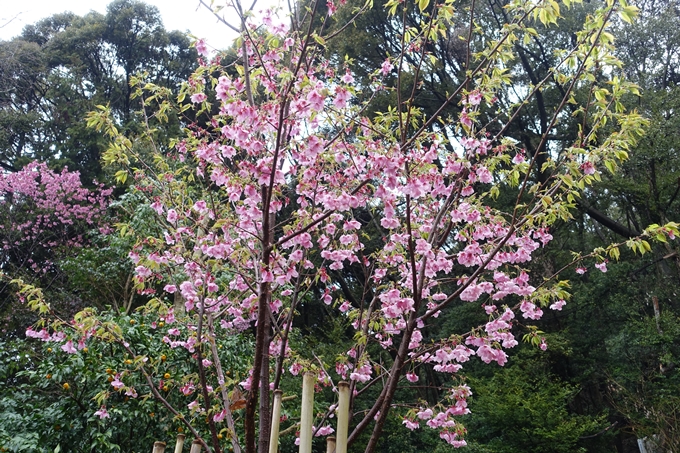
284,181
45,216
46,209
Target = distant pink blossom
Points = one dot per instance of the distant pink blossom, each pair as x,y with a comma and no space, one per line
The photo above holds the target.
117,383
188,388
197,98
193,405
558,305
324,431
68,347
530,310
158,207
348,78
602,266
475,98
218,417
452,439
386,67
465,119
202,48
410,424
102,413
331,7
587,168
518,158
362,374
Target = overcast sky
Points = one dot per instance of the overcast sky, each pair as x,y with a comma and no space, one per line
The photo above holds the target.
180,15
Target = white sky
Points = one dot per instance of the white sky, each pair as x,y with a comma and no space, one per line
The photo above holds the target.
183,15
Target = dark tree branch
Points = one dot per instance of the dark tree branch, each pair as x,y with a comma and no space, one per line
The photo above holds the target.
608,222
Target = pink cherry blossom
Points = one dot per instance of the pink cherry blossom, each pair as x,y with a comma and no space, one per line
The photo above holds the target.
188,388
117,383
465,119
386,67
194,406
68,347
347,77
102,413
197,98
558,305
295,369
425,414
411,424
475,98
218,417
202,48
341,97
588,168
411,377
324,431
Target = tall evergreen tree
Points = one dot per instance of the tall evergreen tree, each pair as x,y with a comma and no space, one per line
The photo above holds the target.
62,67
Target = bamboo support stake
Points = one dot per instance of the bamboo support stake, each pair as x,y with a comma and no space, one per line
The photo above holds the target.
179,445
158,447
276,419
196,446
330,444
307,415
343,417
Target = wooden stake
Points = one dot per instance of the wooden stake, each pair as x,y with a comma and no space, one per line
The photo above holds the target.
307,415
179,445
196,446
276,419
330,444
158,447
343,417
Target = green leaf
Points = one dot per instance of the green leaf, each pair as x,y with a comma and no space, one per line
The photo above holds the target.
614,253
121,176
628,13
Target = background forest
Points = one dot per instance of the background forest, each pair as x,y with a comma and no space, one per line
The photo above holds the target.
608,377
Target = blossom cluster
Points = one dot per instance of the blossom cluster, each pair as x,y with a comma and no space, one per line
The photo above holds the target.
43,209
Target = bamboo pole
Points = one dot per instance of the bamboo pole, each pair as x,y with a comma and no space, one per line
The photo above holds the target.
196,446
343,417
276,419
307,415
179,445
330,444
158,447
